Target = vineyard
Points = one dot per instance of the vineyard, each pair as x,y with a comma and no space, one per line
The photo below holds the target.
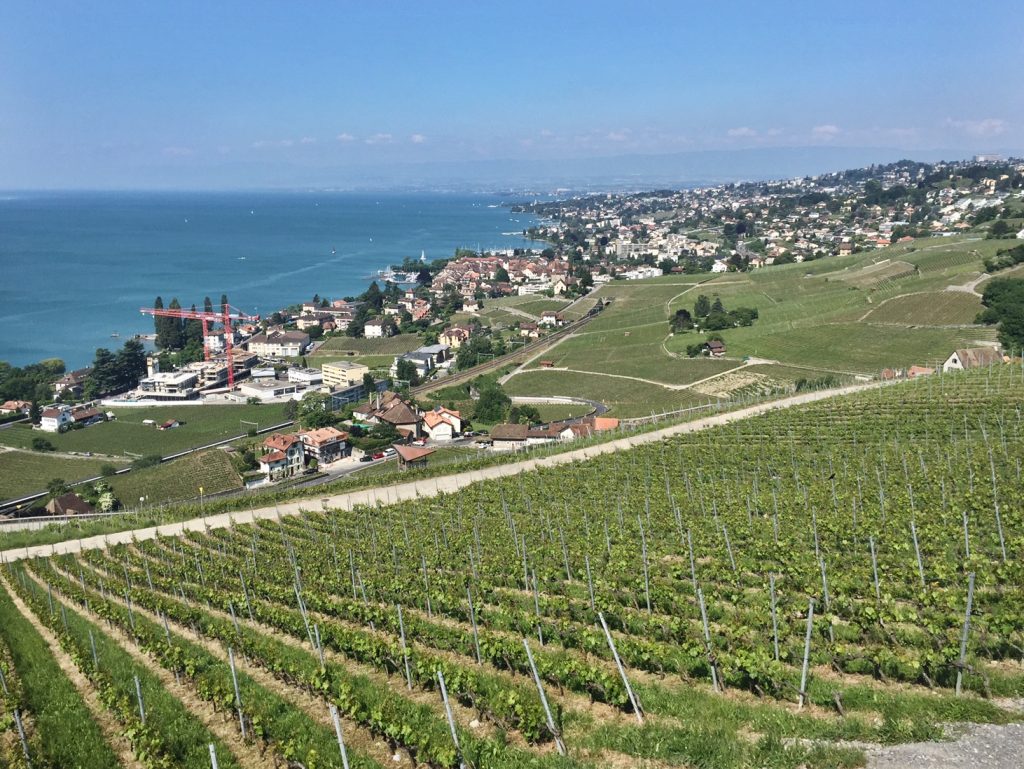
787,591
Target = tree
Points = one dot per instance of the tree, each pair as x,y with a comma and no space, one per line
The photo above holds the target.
57,487
208,305
223,302
717,305
1003,299
35,413
492,404
999,229
171,336
681,321
501,275
524,414
369,384
130,364
701,307
159,323
314,411
423,277
405,370
666,266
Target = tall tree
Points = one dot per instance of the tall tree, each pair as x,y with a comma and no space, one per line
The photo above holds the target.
131,364
174,329
701,307
159,323
208,305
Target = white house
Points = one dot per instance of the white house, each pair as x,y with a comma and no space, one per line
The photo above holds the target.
442,424
56,418
376,329
973,357
719,266
284,456
279,344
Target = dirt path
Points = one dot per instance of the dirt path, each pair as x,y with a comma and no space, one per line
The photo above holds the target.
108,724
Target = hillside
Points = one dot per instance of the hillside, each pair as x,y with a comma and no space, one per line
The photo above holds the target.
787,590
845,317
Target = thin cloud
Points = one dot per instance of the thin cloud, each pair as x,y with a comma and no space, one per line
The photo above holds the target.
307,140
345,137
743,132
618,136
418,139
379,138
980,128
178,152
825,132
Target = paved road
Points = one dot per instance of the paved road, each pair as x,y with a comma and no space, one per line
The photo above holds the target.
424,488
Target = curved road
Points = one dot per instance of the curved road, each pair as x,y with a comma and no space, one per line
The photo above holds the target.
425,488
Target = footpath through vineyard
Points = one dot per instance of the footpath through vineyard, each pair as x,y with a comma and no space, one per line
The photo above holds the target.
800,588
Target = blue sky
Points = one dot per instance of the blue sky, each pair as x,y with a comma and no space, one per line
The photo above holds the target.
240,93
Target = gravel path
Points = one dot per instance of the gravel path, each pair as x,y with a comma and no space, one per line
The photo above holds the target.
978,746
446,484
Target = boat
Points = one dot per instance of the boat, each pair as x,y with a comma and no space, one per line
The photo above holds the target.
333,251
241,258
115,335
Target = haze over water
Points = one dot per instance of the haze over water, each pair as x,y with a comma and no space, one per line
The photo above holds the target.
78,266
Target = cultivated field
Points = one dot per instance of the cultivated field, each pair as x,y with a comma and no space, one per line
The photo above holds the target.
780,591
178,480
200,425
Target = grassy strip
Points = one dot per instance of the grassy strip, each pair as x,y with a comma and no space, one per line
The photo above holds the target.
68,736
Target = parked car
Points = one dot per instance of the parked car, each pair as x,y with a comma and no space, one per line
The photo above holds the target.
390,452
379,455
365,458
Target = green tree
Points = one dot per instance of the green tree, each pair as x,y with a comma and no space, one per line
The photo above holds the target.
492,405
57,487
369,383
501,275
681,321
406,370
130,364
701,307
1003,299
208,305
314,411
35,413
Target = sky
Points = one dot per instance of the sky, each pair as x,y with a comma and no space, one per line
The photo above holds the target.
227,94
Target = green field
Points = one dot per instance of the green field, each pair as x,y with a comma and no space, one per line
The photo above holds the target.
931,308
393,345
23,472
538,306
625,397
200,425
178,480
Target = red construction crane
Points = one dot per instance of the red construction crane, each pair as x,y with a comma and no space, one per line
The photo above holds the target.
226,316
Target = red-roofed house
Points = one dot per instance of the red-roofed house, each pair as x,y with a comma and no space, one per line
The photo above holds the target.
284,456
56,419
10,407
412,456
442,424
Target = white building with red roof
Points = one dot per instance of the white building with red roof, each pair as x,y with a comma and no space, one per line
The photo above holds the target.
284,456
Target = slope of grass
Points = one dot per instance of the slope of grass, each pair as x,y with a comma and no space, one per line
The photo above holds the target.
23,473
178,480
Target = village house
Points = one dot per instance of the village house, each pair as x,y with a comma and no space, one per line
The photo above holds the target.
14,407
69,504
277,343
714,348
442,424
389,408
455,336
376,328
325,445
529,330
283,458
56,419
972,357
72,383
552,319
412,457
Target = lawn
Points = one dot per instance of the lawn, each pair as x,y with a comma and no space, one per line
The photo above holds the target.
178,480
537,306
22,472
393,345
853,347
624,397
127,433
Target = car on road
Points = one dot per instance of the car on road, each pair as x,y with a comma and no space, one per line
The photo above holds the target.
379,455
365,458
390,453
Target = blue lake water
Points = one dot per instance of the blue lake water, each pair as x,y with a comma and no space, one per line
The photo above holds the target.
76,267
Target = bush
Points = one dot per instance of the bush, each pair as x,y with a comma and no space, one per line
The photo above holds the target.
41,444
150,460
108,470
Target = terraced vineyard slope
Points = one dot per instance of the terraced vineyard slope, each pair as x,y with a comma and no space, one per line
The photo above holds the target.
789,590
